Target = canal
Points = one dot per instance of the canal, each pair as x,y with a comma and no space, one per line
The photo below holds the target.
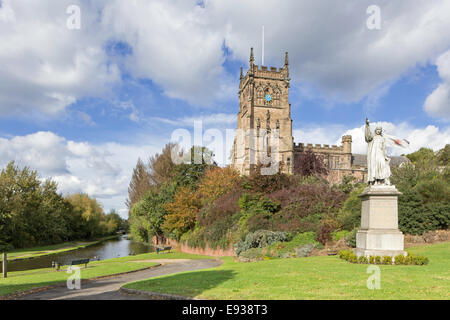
115,248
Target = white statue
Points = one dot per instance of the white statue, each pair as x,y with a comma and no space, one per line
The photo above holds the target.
378,169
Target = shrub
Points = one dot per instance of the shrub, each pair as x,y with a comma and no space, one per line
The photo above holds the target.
348,255
362,259
217,182
252,254
350,213
387,260
324,233
303,251
258,183
296,246
338,235
353,258
377,260
260,239
308,163
303,206
417,218
400,259
225,206
350,239
372,260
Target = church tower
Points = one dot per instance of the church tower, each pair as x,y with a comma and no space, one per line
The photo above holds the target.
264,112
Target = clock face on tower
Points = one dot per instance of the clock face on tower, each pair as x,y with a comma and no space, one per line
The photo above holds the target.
268,97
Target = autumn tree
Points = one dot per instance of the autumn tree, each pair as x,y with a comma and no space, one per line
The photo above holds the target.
140,183
216,182
308,163
161,166
182,212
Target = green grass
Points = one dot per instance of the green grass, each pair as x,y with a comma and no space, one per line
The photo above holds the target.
52,249
311,278
26,280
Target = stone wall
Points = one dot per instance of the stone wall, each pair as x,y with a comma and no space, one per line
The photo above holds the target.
184,247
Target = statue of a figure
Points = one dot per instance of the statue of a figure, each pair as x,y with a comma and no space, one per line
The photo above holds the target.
378,169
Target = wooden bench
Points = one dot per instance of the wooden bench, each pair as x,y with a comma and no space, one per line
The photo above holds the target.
163,249
78,262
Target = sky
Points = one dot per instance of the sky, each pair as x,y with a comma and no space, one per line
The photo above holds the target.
88,87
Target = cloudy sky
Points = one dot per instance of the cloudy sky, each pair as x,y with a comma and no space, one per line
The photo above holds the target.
81,105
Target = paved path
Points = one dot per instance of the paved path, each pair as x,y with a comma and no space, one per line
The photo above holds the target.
108,288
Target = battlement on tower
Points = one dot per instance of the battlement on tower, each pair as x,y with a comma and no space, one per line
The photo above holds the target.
316,147
326,148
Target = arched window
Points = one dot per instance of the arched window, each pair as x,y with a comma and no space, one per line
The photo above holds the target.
259,95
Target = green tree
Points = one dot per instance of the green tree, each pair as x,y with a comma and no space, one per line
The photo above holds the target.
140,183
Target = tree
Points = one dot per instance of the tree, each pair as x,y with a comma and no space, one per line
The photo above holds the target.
161,165
182,212
140,183
424,155
443,156
91,214
148,215
216,182
308,163
199,160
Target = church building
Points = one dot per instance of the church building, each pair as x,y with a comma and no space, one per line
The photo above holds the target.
264,129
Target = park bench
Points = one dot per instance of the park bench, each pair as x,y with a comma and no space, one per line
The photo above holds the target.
58,265
163,249
78,262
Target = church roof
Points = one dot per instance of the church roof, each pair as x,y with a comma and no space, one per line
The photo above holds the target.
361,160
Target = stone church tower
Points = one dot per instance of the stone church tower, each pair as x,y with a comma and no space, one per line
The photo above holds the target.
264,114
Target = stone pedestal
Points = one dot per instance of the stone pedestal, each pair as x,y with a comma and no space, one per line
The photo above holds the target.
379,234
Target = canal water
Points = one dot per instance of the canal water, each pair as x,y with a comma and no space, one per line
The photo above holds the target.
120,247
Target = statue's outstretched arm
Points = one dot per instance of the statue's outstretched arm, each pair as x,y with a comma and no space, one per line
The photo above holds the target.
369,135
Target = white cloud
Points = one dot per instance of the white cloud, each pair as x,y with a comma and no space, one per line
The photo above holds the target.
437,103
100,170
428,137
173,45
178,45
329,43
218,119
45,66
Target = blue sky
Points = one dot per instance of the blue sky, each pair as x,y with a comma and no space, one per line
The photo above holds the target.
82,105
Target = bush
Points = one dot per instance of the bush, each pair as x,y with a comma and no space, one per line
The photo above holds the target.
400,259
387,260
303,251
260,239
303,206
417,218
350,239
325,230
362,259
338,235
225,206
300,245
252,254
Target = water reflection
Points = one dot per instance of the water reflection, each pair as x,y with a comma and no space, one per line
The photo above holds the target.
120,247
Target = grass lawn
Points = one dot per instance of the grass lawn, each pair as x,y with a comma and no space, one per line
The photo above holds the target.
311,278
52,249
25,280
